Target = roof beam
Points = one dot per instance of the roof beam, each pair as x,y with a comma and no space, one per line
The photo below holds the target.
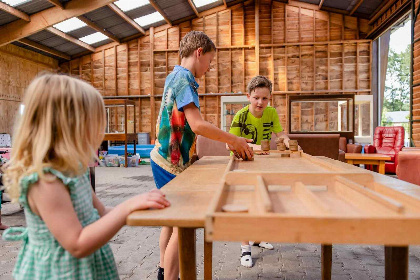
44,48
320,4
56,3
20,29
157,8
93,25
356,7
193,7
15,12
67,37
224,3
126,18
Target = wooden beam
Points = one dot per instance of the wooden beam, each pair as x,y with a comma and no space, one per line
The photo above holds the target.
20,29
224,3
93,25
44,48
126,18
383,8
320,3
57,3
67,37
194,8
356,7
157,8
10,10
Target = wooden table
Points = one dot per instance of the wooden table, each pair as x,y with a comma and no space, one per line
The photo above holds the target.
372,159
387,212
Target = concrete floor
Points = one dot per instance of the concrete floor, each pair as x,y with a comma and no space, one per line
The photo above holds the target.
137,252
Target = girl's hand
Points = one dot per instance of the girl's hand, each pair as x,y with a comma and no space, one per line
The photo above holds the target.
240,147
153,199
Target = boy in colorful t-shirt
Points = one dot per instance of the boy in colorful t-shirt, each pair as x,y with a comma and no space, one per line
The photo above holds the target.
177,125
257,121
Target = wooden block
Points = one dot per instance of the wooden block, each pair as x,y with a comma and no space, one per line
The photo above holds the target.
234,208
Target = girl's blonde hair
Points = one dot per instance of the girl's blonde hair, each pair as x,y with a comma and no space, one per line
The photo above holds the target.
62,125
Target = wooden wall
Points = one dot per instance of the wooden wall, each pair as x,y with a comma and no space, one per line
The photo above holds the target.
18,67
416,82
301,49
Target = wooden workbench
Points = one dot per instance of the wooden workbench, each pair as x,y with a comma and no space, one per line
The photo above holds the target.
390,216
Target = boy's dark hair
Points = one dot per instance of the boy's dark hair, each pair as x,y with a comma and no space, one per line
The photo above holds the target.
194,40
259,82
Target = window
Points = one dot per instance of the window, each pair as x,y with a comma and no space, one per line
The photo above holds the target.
363,119
93,38
149,19
15,3
128,5
201,3
70,25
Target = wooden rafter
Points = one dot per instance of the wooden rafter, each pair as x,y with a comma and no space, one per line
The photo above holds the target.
44,48
224,3
157,8
119,12
10,10
193,7
57,3
70,38
20,29
93,25
356,7
320,3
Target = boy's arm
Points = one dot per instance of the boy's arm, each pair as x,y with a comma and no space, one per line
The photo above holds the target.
206,129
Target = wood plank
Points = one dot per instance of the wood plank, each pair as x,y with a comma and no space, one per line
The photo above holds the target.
19,29
69,38
326,261
44,48
160,10
15,12
310,199
126,18
263,197
152,85
192,5
57,3
186,239
321,2
96,27
396,262
356,7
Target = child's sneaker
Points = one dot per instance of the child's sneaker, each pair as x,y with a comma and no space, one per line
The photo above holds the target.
246,259
262,244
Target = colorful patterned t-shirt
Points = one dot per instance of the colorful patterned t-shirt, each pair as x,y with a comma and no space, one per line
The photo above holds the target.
175,140
244,124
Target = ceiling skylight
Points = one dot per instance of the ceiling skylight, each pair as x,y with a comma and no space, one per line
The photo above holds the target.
14,3
70,25
149,19
128,5
93,38
201,3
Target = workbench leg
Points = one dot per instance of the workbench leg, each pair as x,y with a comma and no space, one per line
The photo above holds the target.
396,263
208,260
326,261
187,266
381,168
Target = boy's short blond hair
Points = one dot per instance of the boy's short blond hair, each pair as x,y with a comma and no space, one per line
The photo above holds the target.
194,40
259,82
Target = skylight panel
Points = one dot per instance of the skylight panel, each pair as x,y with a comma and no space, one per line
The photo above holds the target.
201,3
70,25
149,19
15,3
93,38
128,5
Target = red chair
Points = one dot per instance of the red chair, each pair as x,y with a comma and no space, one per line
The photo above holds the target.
388,141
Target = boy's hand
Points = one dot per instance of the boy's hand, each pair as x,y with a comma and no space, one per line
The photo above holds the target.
152,199
241,148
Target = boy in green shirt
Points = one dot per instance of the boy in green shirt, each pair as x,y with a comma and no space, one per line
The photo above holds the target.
257,121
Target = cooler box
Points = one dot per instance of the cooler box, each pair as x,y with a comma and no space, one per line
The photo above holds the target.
142,150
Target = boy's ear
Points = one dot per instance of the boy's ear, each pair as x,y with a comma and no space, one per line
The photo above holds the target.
199,51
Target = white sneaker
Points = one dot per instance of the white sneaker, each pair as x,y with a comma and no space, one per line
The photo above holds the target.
246,259
262,244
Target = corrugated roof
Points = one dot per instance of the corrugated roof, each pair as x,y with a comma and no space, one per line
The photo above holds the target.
140,11
6,18
209,6
81,32
34,6
368,7
176,10
342,4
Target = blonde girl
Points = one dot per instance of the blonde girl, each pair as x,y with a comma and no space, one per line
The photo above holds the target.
67,226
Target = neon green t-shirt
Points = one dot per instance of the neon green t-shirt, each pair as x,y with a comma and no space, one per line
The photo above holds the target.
244,124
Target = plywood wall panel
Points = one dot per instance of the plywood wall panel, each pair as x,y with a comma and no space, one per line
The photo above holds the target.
302,50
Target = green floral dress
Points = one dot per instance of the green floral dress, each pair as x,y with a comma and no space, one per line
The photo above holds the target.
41,256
